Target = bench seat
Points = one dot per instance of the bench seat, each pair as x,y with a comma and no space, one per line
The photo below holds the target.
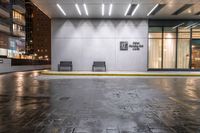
99,64
65,66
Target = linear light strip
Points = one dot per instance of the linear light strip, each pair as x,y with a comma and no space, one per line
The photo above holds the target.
103,9
86,11
78,9
60,8
153,9
191,25
135,9
195,25
110,9
178,25
127,10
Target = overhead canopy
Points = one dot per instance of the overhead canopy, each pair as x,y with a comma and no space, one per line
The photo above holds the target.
159,9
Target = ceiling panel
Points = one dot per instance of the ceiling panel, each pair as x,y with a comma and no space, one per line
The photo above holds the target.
119,7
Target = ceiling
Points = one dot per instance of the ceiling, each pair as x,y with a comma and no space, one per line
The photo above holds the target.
119,8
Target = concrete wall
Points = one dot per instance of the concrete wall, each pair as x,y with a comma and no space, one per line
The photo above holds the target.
85,41
6,66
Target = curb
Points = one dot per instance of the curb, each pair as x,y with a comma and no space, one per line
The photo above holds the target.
121,74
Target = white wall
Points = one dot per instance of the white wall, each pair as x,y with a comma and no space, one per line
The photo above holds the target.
85,41
6,66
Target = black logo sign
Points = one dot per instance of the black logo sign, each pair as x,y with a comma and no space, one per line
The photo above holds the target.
123,46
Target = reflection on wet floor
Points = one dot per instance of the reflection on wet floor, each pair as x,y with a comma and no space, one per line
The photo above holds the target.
98,105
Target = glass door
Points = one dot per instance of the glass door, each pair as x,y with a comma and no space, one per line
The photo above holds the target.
195,54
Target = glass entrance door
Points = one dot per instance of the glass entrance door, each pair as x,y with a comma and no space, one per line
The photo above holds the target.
195,54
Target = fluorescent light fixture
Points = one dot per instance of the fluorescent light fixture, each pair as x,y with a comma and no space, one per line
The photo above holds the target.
128,8
178,25
78,9
191,25
85,7
153,9
60,8
135,9
195,25
103,9
110,10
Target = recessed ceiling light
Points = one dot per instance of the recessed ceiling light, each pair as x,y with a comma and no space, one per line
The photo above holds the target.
135,9
153,9
128,8
103,9
85,7
110,10
78,9
60,8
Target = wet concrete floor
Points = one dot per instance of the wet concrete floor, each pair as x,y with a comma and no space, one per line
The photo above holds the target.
29,104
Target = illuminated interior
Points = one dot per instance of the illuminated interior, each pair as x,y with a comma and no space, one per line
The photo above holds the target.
170,48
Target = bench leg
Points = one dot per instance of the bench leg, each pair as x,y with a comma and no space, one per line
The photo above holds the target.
58,67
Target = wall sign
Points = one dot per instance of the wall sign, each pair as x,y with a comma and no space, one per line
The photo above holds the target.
135,46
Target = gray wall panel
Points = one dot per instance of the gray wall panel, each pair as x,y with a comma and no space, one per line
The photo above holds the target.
85,41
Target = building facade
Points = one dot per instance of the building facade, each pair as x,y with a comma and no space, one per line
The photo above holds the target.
25,31
127,45
12,28
38,33
5,29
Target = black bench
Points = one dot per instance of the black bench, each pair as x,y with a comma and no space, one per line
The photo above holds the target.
65,66
99,64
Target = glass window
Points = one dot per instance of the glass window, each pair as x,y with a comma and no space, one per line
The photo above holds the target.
183,29
183,35
169,30
14,27
183,55
195,54
155,32
155,53
3,40
196,35
196,32
155,35
196,29
17,15
169,35
155,29
169,53
175,44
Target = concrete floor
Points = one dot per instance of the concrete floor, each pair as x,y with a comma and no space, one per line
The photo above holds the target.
31,104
